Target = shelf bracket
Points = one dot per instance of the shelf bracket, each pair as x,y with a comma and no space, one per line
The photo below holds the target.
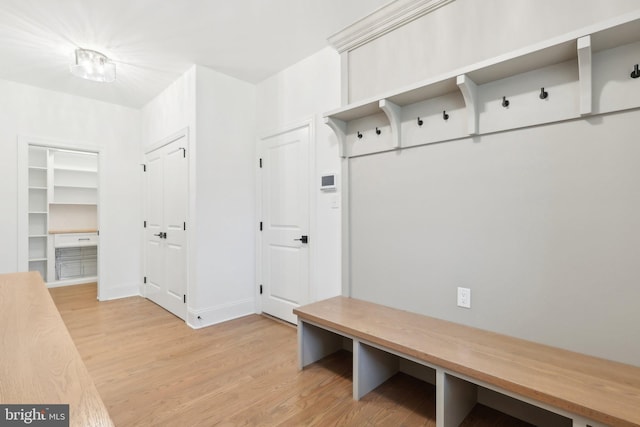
584,71
469,91
340,129
393,114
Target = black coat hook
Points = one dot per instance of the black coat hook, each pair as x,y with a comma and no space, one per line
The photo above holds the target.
505,102
359,135
378,131
420,121
543,93
445,116
636,72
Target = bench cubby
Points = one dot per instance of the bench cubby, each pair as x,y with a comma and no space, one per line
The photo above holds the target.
547,385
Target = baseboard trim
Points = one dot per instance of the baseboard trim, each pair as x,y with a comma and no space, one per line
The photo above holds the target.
72,282
110,293
221,313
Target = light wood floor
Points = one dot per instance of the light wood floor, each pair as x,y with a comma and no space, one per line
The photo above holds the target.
152,369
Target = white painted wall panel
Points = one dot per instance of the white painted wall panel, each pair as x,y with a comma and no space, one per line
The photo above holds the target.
543,224
171,111
225,192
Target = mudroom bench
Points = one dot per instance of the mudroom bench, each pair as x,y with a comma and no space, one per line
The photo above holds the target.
580,390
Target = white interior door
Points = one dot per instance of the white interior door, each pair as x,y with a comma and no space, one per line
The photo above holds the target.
165,235
285,204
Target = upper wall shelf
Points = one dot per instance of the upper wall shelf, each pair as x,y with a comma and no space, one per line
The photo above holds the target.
566,62
355,111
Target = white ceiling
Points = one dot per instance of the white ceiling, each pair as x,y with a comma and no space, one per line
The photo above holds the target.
153,42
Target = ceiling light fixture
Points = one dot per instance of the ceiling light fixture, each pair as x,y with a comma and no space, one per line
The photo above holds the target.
92,65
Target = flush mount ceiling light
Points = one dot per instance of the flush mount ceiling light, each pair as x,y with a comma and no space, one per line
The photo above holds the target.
92,65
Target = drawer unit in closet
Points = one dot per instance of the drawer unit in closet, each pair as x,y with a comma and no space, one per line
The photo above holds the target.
71,240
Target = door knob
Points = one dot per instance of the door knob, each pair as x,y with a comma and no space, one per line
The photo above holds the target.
161,235
158,235
303,239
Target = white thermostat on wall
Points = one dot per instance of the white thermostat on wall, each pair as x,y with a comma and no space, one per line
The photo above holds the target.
328,182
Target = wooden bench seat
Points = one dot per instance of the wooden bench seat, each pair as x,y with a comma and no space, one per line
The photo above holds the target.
587,389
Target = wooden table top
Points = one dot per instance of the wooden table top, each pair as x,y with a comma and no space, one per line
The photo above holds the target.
39,363
598,389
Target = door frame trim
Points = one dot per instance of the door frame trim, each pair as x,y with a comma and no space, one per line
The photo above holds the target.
190,265
308,123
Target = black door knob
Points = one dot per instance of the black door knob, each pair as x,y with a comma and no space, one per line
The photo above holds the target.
303,239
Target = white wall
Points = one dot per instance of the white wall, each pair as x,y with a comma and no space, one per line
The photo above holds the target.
170,111
305,91
465,32
219,112
30,111
225,198
540,223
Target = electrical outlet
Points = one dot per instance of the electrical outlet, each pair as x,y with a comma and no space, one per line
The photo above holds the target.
464,297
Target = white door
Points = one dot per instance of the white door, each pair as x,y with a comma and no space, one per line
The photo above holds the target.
285,209
165,235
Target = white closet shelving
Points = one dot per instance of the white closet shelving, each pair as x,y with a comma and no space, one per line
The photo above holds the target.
38,210
62,201
75,178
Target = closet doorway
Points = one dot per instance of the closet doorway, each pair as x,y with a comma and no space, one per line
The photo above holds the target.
285,239
60,238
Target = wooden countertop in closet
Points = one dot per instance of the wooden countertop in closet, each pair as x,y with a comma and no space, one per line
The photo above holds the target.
40,363
93,230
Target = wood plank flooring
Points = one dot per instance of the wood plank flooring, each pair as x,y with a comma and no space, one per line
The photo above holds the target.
152,369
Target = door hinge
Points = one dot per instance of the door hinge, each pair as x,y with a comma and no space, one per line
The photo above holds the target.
145,224
260,289
184,298
144,167
184,226
260,225
145,279
184,152
260,162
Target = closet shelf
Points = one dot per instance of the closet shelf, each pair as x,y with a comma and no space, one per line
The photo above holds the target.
90,187
76,169
89,203
355,111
